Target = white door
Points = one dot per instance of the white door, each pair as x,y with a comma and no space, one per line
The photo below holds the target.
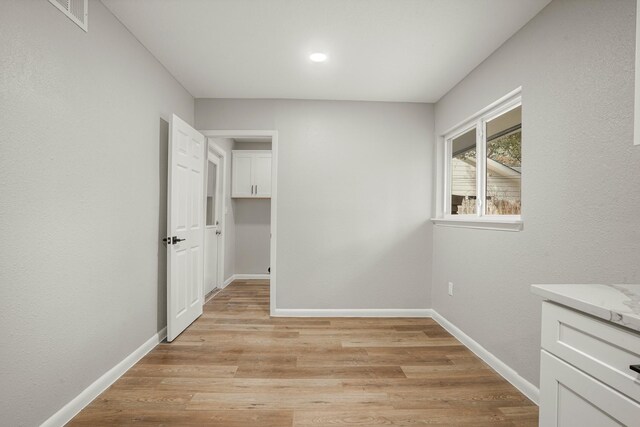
185,273
241,170
261,170
213,224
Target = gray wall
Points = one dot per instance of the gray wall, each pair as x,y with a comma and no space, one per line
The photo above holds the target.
84,119
580,183
253,235
354,191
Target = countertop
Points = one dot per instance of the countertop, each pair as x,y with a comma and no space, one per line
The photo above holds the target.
619,304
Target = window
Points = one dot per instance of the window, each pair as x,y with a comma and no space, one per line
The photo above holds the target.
212,189
504,164
464,173
483,166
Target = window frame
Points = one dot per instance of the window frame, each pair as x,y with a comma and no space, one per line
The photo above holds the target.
479,122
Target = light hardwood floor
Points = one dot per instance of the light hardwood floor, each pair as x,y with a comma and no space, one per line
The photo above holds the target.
236,366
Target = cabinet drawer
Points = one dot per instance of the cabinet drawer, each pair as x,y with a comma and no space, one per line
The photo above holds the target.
571,398
596,347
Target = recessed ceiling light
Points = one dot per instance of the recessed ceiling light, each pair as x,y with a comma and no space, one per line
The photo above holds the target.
318,57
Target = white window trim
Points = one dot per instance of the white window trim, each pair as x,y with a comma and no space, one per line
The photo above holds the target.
478,220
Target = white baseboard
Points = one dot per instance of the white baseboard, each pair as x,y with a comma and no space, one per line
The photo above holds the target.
362,312
71,409
525,387
228,281
250,276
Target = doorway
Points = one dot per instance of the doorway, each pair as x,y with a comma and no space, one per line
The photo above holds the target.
215,173
196,211
255,192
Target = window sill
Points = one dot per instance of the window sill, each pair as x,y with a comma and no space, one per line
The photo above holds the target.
480,223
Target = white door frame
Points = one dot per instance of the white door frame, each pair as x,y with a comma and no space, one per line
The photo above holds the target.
273,134
214,150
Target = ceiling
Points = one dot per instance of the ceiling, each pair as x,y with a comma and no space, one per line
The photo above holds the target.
379,50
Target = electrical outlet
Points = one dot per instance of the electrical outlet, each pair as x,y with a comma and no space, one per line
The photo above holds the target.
450,289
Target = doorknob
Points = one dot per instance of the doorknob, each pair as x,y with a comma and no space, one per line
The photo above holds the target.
218,232
175,240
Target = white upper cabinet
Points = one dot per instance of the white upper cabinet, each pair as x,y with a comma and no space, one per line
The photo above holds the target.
261,173
242,185
251,174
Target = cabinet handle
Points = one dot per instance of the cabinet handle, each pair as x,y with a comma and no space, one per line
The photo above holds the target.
635,368
256,189
251,189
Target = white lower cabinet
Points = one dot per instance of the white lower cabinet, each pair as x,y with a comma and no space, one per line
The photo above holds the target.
571,398
585,375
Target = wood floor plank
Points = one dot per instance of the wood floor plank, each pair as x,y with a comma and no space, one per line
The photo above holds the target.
291,400
252,385
321,372
422,385
524,416
236,366
238,418
442,417
199,371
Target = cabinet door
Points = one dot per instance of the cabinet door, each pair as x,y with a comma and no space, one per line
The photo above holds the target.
241,184
261,170
569,398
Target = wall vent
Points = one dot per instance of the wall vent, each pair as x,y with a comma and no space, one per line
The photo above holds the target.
76,10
